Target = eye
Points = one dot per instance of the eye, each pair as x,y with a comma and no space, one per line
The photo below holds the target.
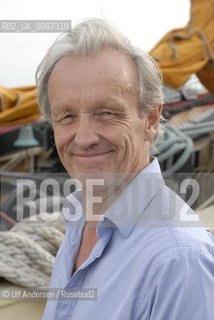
68,116
105,114
65,118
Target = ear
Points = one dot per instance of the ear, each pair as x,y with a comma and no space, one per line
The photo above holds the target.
152,123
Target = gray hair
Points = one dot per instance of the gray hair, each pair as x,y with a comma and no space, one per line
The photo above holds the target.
88,38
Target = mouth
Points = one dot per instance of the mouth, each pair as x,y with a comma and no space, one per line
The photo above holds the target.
91,154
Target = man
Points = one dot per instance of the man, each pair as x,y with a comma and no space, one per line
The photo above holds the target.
124,236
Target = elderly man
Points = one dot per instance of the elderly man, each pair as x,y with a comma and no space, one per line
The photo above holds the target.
124,236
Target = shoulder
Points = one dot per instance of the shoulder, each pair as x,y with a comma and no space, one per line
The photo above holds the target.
175,221
162,232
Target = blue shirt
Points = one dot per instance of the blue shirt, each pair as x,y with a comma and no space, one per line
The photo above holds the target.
146,265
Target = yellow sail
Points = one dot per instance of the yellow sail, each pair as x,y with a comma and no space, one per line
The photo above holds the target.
183,52
18,105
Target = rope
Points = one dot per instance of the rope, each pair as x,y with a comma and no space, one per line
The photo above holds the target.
169,146
208,49
27,251
195,130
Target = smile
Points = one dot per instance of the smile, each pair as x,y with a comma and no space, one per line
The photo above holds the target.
91,155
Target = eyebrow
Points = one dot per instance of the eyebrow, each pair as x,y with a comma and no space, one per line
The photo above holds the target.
108,101
105,103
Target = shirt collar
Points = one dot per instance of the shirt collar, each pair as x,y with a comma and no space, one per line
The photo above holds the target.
127,209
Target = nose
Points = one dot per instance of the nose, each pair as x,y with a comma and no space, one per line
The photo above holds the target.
85,135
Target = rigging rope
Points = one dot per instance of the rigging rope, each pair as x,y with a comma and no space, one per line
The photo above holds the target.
27,251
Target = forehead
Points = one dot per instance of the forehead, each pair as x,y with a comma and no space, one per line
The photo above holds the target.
108,69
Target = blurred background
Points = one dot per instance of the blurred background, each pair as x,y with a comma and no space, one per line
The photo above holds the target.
144,22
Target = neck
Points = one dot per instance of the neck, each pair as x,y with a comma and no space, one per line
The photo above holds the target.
100,191
97,198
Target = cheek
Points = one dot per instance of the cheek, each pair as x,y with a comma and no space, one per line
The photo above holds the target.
135,138
62,139
123,140
116,135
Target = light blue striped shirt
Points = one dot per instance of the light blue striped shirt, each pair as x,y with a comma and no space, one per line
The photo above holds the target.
146,265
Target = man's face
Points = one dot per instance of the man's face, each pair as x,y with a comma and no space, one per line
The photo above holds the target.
95,115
